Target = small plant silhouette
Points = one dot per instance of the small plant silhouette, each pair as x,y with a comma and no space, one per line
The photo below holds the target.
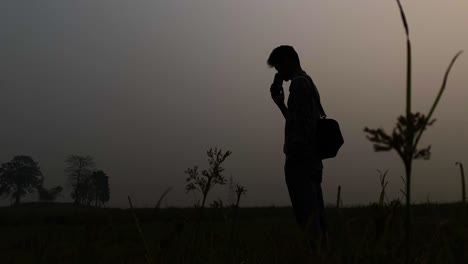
383,185
217,204
240,190
408,131
209,178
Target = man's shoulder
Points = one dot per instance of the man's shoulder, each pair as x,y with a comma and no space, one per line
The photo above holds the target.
301,83
301,78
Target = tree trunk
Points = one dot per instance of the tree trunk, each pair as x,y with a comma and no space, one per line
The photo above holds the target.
204,200
17,198
238,200
77,190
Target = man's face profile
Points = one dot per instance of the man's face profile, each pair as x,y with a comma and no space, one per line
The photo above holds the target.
283,72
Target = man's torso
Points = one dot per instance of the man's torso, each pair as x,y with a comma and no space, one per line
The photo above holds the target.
301,121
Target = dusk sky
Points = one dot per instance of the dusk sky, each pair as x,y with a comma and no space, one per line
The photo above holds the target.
146,87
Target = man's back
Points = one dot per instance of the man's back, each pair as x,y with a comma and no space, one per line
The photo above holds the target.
301,120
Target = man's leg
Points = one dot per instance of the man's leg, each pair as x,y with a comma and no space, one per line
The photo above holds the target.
293,182
306,196
315,207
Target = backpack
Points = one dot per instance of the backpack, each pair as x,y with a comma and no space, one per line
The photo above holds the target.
329,134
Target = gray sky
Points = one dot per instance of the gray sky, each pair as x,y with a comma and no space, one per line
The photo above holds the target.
146,87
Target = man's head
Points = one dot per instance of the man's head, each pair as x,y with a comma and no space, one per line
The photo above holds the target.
285,60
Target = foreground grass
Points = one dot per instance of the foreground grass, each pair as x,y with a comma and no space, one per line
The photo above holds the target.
369,234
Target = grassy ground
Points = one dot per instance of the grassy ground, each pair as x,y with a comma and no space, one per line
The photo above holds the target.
259,235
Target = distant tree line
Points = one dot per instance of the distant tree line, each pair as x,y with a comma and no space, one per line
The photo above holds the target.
22,175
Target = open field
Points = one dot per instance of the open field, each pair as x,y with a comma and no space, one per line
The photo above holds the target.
260,235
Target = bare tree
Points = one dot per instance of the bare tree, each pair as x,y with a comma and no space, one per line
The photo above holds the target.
78,170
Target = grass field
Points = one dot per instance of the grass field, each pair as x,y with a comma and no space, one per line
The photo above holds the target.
369,234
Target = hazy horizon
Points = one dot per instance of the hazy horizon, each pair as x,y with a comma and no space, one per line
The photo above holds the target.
146,87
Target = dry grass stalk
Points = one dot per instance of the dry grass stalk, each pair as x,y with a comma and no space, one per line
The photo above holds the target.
140,232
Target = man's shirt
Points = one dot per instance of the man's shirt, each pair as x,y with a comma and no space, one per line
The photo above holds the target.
301,121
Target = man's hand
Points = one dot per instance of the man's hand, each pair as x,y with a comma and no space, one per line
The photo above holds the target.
278,80
278,98
277,94
276,90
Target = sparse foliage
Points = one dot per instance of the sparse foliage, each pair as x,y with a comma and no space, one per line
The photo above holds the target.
209,178
19,177
400,139
217,203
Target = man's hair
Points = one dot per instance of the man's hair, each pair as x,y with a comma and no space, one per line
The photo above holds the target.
281,54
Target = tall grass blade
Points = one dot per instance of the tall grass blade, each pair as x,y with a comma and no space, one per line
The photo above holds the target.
140,232
462,173
408,81
408,148
403,17
439,95
383,185
408,62
158,204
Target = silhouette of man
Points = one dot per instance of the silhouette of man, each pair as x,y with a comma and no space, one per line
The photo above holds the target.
303,167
